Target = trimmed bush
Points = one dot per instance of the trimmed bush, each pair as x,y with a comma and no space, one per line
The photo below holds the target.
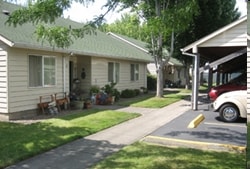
151,80
128,93
137,92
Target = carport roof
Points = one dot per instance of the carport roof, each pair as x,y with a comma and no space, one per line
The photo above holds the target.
214,34
222,44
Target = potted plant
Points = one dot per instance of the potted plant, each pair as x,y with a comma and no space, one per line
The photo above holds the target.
111,91
87,103
94,90
94,93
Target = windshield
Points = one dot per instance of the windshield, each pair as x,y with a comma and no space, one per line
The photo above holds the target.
240,79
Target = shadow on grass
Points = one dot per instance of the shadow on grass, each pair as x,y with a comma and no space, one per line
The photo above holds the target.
32,139
140,155
19,141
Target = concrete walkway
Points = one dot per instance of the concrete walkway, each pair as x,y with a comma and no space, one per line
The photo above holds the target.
85,152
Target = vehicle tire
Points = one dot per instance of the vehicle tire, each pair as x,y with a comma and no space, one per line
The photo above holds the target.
229,113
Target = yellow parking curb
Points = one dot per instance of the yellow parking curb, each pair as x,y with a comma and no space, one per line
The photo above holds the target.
194,123
171,142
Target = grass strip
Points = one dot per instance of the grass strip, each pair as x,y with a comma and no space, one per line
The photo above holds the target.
142,155
150,101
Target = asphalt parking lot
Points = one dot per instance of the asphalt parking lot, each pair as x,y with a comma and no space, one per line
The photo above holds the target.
211,131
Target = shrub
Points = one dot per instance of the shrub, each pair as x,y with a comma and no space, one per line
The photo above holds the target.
137,92
151,80
127,93
117,94
144,90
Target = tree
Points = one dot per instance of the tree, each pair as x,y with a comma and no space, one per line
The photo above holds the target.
212,16
163,18
128,25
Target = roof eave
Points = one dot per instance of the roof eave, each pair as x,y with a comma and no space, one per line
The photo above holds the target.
71,52
6,41
128,42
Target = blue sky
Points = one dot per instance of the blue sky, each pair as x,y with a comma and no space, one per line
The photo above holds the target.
80,13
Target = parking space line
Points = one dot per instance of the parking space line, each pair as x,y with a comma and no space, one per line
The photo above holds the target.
224,124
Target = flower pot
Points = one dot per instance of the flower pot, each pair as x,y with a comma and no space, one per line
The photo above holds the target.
87,105
113,100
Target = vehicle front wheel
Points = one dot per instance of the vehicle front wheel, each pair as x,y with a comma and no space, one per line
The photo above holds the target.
229,113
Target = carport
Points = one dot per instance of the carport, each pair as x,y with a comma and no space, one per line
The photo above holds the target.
222,52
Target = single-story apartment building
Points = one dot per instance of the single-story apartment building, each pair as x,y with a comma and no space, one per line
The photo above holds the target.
30,68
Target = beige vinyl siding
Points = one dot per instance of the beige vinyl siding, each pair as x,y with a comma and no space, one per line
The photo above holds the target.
235,36
99,69
21,96
248,81
100,74
3,80
125,82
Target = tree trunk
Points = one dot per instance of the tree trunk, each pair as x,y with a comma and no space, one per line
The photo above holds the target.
187,77
159,87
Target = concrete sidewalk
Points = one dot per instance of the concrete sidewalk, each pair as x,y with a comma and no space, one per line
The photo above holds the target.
85,152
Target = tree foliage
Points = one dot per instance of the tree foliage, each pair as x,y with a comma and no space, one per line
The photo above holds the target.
162,19
129,25
212,16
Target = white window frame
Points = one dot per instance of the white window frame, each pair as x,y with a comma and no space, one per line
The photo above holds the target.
134,72
115,77
43,70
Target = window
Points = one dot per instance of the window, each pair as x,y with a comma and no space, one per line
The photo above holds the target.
42,71
134,72
113,72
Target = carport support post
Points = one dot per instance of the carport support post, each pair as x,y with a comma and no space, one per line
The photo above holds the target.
195,78
195,81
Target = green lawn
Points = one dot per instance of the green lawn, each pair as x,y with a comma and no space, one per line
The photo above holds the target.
149,101
19,141
142,155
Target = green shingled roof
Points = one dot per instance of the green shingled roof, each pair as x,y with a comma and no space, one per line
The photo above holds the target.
144,46
99,44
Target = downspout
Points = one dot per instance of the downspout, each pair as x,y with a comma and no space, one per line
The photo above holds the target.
64,74
195,81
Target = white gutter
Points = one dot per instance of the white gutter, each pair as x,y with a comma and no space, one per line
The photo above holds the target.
6,41
64,74
248,37
195,81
